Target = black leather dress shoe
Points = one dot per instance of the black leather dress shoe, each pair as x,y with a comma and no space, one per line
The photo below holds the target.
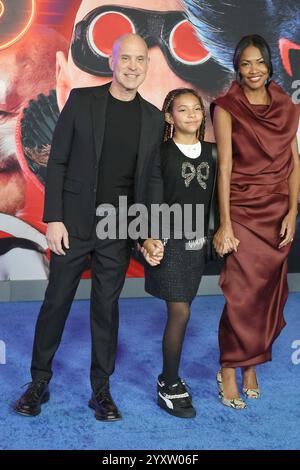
104,406
29,404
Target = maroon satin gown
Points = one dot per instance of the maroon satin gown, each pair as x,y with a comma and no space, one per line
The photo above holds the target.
254,280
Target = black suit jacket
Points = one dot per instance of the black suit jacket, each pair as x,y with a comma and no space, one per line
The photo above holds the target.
72,172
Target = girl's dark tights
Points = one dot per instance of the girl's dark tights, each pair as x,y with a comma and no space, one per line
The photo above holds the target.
178,317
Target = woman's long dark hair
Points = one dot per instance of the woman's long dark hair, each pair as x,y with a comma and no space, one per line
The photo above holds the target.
168,107
256,41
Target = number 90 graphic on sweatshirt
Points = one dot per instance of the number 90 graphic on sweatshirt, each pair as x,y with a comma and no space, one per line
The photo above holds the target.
15,18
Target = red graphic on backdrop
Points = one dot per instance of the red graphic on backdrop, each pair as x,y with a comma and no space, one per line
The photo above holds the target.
109,25
16,17
285,46
185,45
114,24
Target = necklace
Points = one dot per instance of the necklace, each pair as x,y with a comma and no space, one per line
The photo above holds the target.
190,150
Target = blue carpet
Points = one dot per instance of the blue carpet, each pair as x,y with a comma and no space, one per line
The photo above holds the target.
67,423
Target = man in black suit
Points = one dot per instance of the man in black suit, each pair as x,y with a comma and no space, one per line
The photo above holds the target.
105,145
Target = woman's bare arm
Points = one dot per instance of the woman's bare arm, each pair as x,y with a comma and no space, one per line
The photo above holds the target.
224,239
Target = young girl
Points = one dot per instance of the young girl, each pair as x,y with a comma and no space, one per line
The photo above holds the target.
188,174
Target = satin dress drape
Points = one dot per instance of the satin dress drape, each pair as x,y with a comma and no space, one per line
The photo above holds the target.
254,280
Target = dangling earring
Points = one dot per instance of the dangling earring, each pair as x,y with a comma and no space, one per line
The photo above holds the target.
171,129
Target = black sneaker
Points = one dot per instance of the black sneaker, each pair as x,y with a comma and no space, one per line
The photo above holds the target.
29,404
175,399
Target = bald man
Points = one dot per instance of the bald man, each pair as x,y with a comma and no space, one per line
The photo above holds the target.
105,145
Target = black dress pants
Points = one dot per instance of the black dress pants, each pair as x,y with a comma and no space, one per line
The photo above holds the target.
109,263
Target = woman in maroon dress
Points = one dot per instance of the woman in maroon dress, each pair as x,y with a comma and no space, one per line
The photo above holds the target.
255,127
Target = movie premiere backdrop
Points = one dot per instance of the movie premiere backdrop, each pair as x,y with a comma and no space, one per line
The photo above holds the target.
48,47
